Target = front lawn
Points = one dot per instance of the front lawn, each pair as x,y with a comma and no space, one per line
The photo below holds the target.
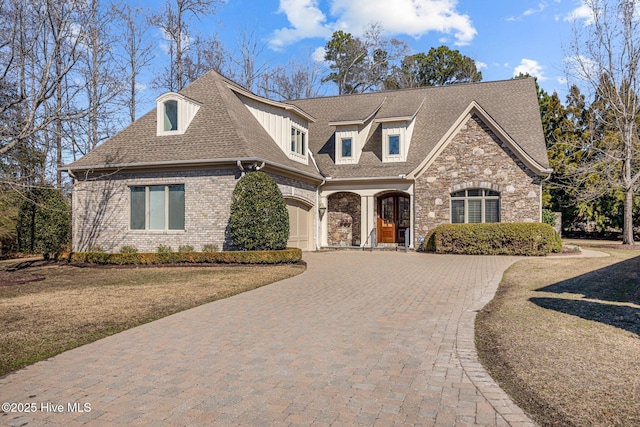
46,310
562,337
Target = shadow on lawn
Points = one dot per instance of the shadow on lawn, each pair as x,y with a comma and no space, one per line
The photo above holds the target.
619,282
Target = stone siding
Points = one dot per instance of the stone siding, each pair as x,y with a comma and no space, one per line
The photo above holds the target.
101,209
476,158
344,219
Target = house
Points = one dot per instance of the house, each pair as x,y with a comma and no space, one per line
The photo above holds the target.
355,170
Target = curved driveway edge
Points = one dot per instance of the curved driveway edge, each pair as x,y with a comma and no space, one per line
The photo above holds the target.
360,338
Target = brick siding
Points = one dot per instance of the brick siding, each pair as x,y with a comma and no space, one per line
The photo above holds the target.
101,209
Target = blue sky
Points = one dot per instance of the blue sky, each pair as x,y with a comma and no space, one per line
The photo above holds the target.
504,37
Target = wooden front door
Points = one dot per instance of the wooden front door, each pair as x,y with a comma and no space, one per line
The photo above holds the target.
394,212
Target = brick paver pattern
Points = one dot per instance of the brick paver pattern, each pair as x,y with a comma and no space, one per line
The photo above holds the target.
360,338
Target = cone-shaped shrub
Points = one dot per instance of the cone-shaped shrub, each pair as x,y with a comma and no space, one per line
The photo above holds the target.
259,218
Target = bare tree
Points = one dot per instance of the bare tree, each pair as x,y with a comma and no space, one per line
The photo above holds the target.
136,52
293,81
206,54
244,64
39,48
605,56
175,25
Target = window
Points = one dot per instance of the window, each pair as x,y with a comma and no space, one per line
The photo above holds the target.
346,147
298,141
475,205
394,145
157,207
170,115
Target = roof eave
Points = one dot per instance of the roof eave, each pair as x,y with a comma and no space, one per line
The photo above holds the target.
191,163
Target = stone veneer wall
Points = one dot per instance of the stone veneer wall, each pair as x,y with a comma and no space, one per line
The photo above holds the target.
101,209
344,219
476,158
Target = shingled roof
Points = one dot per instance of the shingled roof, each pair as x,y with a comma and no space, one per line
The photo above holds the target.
511,104
225,130
222,130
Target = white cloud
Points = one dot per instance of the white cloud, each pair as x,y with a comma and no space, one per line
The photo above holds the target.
481,65
561,80
318,54
410,17
307,20
541,6
581,12
531,67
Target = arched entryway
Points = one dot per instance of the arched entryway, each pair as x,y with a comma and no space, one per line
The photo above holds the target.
394,217
344,219
300,225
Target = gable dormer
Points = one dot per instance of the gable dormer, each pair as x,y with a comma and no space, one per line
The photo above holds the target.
174,113
351,135
397,122
396,138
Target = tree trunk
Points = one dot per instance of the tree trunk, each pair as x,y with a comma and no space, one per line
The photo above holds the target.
627,230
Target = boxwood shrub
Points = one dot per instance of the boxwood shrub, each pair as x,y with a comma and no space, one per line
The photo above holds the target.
289,255
530,239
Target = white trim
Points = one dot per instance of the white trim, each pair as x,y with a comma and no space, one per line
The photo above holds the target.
187,109
284,106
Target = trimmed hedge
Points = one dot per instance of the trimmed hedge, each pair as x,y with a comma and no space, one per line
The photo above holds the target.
286,256
530,239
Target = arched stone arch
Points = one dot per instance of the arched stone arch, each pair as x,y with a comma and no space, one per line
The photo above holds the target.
344,218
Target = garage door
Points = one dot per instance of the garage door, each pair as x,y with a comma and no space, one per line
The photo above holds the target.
300,225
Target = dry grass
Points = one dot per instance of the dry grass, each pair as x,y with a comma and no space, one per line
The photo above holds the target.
562,337
73,306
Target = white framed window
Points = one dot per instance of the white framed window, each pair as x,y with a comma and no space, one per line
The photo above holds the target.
170,115
298,141
346,147
156,207
174,113
475,206
393,145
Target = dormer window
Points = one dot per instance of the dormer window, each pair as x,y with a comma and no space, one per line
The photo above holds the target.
298,141
396,138
175,113
347,147
393,146
170,115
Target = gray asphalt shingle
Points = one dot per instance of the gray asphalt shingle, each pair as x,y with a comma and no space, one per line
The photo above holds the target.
224,128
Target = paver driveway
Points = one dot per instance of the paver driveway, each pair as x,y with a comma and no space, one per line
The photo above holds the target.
378,338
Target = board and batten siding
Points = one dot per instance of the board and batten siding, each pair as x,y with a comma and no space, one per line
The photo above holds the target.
278,122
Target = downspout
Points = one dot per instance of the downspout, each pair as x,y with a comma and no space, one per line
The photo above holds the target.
73,202
318,227
547,171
